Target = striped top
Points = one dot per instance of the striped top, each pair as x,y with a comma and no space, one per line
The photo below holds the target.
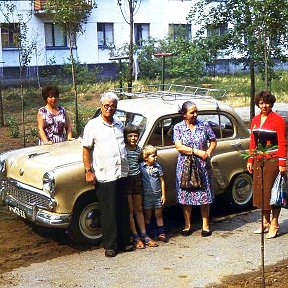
133,160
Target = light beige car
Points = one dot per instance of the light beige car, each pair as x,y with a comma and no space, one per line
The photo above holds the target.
46,184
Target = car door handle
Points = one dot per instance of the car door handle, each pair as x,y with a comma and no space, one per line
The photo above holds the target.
236,144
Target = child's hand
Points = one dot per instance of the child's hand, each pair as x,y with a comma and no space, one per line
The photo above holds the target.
163,200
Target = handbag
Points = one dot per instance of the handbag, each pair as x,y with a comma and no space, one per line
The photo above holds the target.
279,192
190,177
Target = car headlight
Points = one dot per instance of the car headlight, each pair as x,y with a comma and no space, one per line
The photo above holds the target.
49,182
2,165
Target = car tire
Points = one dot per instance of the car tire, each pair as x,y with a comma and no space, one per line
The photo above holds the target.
85,227
239,194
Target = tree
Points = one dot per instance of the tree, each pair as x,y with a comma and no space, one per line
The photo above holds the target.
70,15
133,7
16,23
256,31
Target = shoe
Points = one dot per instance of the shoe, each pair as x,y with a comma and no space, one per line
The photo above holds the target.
128,248
186,232
139,244
273,234
205,233
266,228
149,242
110,253
162,237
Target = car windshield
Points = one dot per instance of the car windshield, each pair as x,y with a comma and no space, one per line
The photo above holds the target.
128,118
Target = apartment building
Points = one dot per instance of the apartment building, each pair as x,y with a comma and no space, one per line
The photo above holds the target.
106,26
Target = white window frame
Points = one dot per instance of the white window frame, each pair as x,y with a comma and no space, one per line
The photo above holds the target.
105,34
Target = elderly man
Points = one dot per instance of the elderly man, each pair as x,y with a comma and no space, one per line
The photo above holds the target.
107,168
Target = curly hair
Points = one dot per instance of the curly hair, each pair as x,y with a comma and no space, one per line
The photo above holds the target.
266,96
49,91
148,150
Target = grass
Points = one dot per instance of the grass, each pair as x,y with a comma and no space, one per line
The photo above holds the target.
237,86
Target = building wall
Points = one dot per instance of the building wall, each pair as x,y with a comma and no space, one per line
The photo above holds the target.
159,14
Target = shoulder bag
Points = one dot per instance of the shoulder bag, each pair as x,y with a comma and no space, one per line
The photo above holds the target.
190,178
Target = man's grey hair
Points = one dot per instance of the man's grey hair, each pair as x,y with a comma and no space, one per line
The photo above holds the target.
109,96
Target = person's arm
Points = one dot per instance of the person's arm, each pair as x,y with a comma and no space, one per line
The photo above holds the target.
87,161
163,190
187,150
183,149
41,132
282,145
68,129
211,148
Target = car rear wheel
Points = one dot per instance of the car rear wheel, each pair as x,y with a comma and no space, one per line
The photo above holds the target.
85,227
239,194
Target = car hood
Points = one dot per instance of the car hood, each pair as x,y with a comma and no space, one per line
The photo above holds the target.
28,165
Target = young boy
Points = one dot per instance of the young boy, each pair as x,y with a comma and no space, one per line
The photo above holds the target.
154,192
134,189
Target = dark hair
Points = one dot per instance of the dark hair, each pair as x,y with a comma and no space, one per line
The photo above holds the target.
266,96
50,90
131,129
185,107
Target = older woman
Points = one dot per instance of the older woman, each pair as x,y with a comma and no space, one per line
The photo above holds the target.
194,137
52,121
267,128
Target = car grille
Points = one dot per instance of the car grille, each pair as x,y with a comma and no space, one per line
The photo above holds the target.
27,197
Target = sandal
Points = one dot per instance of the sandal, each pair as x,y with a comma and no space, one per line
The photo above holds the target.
162,237
139,244
150,243
266,228
272,234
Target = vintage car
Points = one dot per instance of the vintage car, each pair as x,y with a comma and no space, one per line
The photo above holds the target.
46,184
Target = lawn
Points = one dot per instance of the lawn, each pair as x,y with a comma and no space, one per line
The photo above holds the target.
237,86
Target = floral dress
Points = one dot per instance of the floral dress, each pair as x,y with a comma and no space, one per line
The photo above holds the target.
197,139
54,125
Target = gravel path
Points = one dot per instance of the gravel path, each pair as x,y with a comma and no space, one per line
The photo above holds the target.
183,262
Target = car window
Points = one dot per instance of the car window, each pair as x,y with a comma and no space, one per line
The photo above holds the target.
220,124
128,118
162,133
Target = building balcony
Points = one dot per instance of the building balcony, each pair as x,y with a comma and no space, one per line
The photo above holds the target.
39,5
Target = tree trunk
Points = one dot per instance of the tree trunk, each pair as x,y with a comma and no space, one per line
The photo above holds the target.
130,67
252,89
74,84
1,106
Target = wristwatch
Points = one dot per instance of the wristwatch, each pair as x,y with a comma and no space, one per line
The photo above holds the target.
88,170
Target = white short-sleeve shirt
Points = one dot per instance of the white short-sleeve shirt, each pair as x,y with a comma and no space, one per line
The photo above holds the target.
108,146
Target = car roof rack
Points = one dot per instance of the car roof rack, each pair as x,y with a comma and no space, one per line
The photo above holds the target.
169,92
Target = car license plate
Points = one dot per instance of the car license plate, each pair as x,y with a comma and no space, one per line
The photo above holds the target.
17,211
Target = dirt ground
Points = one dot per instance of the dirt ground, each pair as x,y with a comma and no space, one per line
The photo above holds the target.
22,244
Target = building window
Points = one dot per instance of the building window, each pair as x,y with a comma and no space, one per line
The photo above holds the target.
141,33
180,30
105,34
55,37
211,31
10,33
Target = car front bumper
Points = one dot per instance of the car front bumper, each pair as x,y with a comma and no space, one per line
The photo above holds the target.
31,206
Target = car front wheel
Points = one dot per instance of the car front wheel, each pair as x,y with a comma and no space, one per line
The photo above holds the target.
239,194
85,227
